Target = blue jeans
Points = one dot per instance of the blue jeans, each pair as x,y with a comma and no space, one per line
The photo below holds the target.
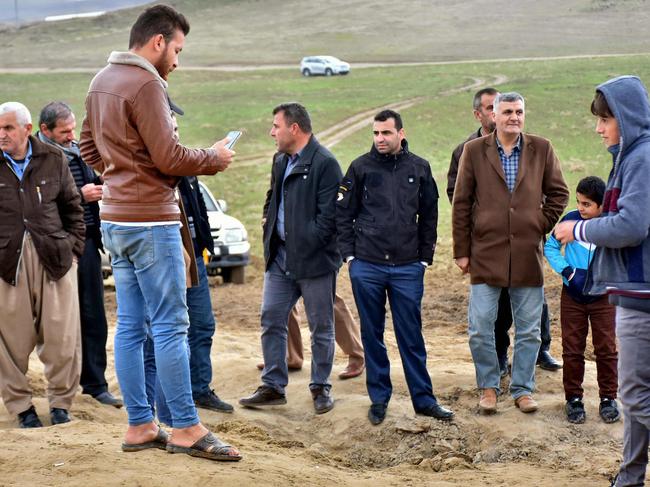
202,327
280,295
149,274
404,286
526,305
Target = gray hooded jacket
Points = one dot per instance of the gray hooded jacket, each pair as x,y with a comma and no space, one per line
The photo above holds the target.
621,264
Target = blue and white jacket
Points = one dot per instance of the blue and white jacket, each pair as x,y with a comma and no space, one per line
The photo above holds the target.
621,263
576,259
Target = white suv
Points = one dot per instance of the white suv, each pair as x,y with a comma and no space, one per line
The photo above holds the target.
326,65
231,246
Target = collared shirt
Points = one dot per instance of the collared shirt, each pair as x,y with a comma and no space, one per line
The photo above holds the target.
20,166
279,227
510,163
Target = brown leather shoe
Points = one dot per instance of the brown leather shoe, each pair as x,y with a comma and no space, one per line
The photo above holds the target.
526,404
487,403
352,370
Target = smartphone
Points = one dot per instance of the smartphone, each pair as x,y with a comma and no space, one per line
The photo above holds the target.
233,135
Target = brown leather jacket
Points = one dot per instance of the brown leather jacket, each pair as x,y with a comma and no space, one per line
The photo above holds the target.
128,136
46,204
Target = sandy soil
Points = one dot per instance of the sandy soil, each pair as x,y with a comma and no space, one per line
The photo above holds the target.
290,445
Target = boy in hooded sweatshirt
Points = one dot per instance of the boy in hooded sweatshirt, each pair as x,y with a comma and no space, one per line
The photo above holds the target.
578,309
621,263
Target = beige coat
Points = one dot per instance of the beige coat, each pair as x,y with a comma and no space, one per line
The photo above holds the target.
503,233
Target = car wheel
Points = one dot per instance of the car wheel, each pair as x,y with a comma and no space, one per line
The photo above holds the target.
237,275
226,275
328,72
306,72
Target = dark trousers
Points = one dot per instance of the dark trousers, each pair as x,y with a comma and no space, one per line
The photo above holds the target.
201,331
371,284
94,330
575,318
504,322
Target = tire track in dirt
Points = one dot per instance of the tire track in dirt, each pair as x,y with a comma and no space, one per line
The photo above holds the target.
343,129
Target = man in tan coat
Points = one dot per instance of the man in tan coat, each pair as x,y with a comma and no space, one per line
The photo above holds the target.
509,193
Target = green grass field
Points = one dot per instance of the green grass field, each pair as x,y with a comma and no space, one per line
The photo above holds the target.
557,92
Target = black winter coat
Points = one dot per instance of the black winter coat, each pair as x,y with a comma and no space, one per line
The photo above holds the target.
387,209
309,212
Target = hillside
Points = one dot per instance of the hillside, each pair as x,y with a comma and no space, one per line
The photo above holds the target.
274,31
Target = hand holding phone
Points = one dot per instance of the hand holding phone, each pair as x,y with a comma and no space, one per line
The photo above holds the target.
232,137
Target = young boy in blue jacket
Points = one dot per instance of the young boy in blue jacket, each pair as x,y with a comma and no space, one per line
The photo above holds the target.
577,309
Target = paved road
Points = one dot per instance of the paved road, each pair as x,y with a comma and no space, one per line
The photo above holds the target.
34,10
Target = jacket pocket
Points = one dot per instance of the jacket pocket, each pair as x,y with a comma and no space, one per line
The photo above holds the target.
47,189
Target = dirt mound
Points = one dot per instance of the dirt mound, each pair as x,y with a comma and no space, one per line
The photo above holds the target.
290,445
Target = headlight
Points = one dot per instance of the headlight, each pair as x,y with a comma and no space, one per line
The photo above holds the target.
232,235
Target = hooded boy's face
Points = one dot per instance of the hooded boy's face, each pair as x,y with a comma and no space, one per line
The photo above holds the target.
607,128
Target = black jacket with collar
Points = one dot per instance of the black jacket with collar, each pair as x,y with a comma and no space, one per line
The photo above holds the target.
309,212
195,209
387,209
45,203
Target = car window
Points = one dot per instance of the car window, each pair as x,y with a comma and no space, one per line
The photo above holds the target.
209,201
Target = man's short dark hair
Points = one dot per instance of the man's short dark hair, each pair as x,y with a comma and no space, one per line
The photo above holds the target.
600,107
593,188
159,19
476,102
53,112
386,114
295,113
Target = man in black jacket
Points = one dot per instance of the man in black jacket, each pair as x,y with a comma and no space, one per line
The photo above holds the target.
387,214
57,124
300,254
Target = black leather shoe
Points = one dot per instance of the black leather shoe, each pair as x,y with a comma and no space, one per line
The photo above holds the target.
29,419
546,361
263,396
323,400
211,401
438,412
109,399
504,368
377,413
59,416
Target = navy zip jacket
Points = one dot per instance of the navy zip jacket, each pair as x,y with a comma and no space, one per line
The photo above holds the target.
387,209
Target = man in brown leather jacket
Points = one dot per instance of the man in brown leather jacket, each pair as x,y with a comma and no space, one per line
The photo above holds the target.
41,238
128,134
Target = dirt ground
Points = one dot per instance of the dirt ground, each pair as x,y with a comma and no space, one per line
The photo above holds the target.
290,445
